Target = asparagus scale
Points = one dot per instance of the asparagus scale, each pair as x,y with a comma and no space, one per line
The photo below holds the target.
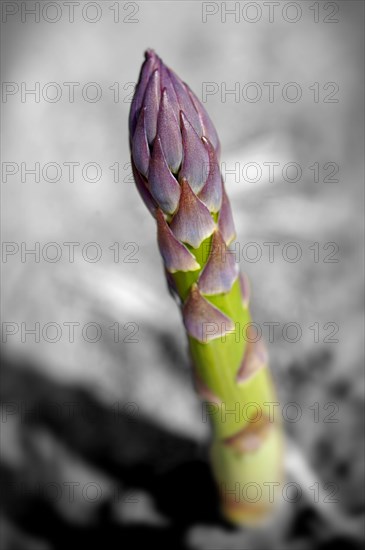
175,154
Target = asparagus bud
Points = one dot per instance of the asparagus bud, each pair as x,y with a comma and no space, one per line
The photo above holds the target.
175,158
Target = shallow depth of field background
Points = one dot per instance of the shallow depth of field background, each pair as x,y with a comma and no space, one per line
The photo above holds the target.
104,442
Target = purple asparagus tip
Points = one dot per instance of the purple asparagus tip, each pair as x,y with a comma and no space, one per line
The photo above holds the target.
165,99
175,159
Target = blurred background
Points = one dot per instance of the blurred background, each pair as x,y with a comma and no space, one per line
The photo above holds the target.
103,439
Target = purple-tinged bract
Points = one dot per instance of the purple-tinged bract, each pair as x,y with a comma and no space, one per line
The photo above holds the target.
192,223
211,193
168,130
140,149
175,255
202,320
195,156
163,185
221,270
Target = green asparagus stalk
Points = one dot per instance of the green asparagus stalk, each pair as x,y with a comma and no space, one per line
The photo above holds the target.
175,158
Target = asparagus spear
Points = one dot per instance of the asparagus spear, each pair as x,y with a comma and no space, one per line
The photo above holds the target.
175,157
